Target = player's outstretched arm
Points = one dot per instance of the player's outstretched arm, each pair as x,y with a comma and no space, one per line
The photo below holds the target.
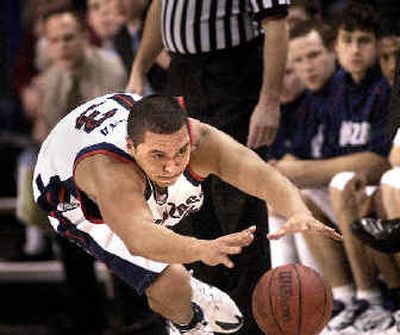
217,153
118,189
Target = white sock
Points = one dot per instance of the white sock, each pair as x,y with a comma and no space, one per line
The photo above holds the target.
372,296
344,293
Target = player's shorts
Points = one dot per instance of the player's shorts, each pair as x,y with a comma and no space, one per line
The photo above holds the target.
100,241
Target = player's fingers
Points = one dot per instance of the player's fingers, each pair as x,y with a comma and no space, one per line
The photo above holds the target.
242,238
277,235
329,232
227,262
231,250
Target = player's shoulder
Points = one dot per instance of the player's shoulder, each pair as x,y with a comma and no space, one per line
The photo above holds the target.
99,170
199,132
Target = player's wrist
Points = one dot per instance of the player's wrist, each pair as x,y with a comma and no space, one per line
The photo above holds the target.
196,249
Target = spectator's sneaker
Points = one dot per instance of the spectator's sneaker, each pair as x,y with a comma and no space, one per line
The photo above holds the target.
374,320
220,311
382,235
342,322
395,329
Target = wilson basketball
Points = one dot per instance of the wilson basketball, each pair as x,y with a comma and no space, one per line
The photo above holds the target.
292,300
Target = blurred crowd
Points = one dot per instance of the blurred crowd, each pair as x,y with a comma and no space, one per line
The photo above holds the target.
336,140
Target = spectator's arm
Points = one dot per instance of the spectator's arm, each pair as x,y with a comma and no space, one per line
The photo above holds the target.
317,173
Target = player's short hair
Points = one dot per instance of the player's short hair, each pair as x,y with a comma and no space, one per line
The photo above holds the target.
301,29
357,16
156,113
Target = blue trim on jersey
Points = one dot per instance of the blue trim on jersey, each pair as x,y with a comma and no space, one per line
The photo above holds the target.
190,178
135,276
103,146
124,100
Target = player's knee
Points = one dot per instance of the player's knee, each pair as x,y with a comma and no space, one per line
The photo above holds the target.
173,284
391,178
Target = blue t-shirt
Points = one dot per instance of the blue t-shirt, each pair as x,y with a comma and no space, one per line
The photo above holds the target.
358,121
283,139
343,118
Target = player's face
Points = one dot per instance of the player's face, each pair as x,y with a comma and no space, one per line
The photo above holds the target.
313,62
389,48
292,85
163,157
65,40
356,51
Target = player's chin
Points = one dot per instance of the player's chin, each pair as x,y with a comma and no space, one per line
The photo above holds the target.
166,182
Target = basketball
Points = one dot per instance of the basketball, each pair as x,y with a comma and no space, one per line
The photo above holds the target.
292,299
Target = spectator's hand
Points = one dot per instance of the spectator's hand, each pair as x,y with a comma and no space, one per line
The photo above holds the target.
32,98
137,83
304,224
264,124
217,251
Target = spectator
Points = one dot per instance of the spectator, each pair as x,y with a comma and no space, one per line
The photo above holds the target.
104,22
353,100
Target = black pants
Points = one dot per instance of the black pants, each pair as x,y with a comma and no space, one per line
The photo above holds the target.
222,89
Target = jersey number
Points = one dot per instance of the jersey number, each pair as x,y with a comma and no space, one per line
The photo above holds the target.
89,121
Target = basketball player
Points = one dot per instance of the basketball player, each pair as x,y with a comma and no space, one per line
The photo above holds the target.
119,170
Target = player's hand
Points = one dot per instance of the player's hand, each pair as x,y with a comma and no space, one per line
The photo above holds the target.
304,224
137,83
217,251
264,123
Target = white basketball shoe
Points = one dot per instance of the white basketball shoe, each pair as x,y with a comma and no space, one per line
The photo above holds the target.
220,311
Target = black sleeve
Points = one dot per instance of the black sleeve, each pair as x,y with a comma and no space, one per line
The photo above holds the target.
268,9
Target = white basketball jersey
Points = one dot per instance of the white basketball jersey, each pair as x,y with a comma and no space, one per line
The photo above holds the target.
100,127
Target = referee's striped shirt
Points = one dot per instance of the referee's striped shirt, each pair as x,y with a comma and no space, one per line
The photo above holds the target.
197,26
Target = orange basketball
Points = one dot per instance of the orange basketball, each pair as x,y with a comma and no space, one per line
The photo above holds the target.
292,300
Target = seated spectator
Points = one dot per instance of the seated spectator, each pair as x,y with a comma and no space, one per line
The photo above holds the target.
389,47
367,98
291,98
347,111
311,50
